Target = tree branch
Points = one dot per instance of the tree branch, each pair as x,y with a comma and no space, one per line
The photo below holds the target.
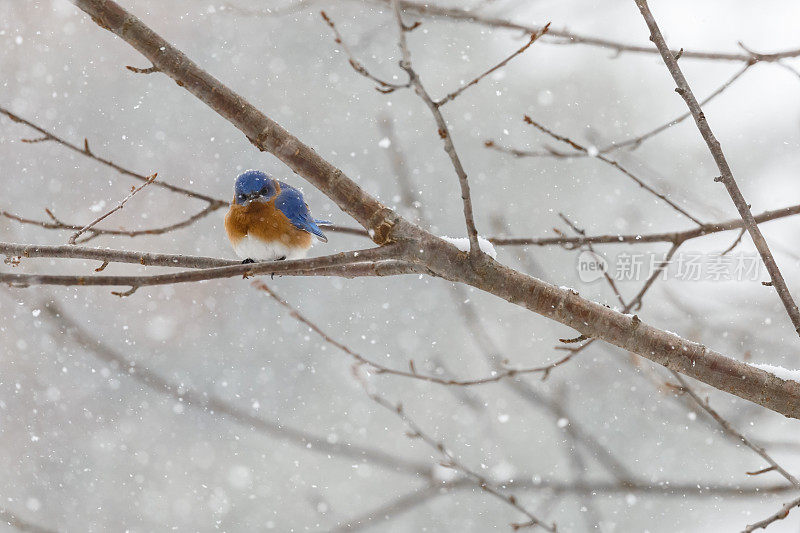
213,404
728,427
439,257
450,461
443,130
453,95
569,37
345,264
615,164
726,176
105,215
263,132
639,238
87,152
780,515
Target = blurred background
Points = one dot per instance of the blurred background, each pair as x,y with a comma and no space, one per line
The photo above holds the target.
273,432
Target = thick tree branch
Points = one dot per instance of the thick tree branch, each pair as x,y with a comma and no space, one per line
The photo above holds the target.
589,318
263,132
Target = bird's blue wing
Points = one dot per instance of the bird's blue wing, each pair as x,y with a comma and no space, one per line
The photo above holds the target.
290,202
317,221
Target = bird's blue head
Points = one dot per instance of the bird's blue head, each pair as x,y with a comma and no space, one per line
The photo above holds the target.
253,184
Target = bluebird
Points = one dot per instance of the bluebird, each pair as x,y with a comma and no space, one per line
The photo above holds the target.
269,220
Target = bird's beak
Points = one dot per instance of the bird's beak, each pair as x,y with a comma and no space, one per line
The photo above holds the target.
250,197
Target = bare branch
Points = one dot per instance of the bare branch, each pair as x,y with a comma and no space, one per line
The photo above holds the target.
453,95
780,515
567,37
635,142
639,238
383,86
616,165
119,206
606,275
113,256
415,431
85,151
378,368
443,130
215,405
345,264
728,427
726,177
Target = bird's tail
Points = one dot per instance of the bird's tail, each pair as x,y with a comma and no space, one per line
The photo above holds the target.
319,222
310,225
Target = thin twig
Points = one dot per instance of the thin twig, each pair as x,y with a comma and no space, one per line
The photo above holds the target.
616,165
379,368
566,37
450,461
635,142
452,96
606,275
780,515
706,406
84,229
85,151
735,242
385,87
640,238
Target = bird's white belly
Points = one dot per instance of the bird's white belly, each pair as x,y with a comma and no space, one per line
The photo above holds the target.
251,248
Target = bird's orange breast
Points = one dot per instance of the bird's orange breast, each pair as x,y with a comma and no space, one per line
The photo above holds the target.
264,222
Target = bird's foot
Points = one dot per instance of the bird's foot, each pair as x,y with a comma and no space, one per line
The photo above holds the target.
282,258
247,261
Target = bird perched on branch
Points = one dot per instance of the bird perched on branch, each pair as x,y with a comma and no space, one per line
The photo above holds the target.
269,220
